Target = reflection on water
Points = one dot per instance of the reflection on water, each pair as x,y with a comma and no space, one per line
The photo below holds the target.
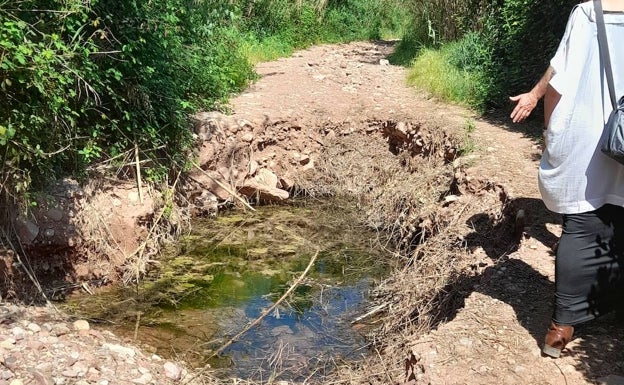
223,276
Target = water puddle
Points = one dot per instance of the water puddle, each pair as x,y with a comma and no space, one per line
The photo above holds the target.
225,274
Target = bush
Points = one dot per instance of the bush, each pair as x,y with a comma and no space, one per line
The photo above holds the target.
510,41
523,35
279,26
83,83
50,105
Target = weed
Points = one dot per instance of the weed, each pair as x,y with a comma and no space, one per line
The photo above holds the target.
470,126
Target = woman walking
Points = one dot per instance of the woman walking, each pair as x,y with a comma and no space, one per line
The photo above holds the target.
575,178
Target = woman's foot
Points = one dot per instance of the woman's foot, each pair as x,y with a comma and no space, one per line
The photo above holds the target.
556,339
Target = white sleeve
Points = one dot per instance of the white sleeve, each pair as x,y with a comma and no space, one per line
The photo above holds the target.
560,61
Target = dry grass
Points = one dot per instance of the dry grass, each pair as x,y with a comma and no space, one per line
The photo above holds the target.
418,196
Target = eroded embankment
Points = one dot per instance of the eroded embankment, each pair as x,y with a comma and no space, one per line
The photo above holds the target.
416,187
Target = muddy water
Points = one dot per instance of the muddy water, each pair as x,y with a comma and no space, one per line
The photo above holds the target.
224,275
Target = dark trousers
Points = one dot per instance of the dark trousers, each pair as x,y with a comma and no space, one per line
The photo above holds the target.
589,266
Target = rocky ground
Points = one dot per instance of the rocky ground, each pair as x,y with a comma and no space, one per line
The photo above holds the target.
40,347
273,136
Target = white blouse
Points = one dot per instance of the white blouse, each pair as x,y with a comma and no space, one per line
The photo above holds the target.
574,176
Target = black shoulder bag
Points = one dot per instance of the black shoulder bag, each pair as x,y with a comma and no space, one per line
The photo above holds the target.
612,140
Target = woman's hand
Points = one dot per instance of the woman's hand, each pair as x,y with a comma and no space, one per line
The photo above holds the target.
526,104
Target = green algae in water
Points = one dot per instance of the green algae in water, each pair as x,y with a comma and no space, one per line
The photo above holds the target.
220,278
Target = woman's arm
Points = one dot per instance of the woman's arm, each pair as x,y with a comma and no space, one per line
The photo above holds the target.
528,101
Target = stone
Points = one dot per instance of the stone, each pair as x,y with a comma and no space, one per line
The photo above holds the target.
308,166
71,373
35,345
41,378
286,183
81,325
33,327
264,187
247,137
121,350
253,167
55,214
172,371
11,362
8,343
143,380
18,333
81,368
26,230
280,330
60,330
17,381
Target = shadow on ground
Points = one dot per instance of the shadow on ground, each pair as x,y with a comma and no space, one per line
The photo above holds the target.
598,344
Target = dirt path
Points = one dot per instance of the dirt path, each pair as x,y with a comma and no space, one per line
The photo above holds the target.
494,337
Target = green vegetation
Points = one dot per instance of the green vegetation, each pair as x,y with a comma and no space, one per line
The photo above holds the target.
453,72
484,51
468,143
275,28
86,83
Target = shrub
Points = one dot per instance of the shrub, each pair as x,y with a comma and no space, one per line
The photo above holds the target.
523,35
87,81
50,105
510,41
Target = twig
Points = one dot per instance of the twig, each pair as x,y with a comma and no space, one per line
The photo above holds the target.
385,367
372,312
136,325
269,310
27,269
138,171
565,378
226,188
261,317
139,250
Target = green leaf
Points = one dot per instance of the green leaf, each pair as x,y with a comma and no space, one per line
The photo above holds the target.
20,58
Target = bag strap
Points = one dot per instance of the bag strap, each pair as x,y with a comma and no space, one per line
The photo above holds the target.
603,47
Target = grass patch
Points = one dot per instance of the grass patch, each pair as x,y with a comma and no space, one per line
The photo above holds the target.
432,71
268,49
